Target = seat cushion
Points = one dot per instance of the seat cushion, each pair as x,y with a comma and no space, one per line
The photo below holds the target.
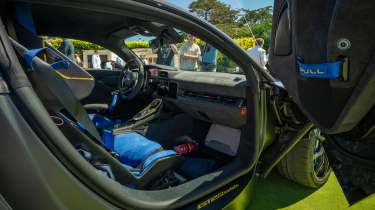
154,157
132,148
149,162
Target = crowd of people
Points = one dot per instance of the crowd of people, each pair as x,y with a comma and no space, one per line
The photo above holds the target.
67,48
190,55
187,58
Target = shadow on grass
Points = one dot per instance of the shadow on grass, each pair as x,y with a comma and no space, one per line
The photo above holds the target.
276,192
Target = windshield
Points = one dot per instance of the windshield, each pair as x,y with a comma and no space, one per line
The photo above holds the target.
188,54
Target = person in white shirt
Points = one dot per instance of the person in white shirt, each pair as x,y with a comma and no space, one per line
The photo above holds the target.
189,54
96,62
258,54
108,65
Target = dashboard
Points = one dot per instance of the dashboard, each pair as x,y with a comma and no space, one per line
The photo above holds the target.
213,97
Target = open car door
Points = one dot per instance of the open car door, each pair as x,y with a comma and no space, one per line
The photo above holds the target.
323,52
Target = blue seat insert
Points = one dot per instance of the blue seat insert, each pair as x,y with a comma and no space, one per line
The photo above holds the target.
101,121
150,160
154,157
132,148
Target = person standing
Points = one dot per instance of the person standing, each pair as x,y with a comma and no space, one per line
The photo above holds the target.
78,59
258,54
67,48
189,55
95,60
165,52
209,58
108,65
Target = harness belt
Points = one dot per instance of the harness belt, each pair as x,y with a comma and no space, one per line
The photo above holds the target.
62,93
114,102
329,70
31,54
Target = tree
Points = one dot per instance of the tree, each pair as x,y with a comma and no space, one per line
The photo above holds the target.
251,23
203,8
257,16
214,11
259,21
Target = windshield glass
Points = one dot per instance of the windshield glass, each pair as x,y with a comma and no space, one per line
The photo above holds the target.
188,54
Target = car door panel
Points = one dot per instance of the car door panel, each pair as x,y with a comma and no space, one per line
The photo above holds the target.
323,31
319,30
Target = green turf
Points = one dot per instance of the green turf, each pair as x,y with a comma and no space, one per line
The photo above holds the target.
276,192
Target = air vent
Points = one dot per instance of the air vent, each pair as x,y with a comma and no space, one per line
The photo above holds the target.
163,74
213,98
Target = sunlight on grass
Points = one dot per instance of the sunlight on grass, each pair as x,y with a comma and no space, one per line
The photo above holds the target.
278,193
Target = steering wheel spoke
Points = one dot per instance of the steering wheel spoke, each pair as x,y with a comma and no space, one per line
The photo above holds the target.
131,80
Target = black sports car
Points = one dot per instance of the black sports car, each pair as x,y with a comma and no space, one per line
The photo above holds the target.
194,133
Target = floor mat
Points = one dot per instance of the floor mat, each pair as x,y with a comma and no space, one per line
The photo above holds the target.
165,132
196,167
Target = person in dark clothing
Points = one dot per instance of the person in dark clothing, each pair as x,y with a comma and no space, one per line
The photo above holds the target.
209,58
165,52
67,48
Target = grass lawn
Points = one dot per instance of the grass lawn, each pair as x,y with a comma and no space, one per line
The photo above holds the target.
276,192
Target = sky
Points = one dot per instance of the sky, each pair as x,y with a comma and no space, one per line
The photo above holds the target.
238,4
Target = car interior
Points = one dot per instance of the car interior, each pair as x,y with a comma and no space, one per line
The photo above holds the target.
148,136
147,127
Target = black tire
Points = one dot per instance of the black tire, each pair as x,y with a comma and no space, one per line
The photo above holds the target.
299,165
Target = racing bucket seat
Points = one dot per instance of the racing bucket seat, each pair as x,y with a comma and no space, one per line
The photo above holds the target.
144,160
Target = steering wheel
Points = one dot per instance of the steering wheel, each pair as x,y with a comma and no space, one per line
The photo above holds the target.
131,80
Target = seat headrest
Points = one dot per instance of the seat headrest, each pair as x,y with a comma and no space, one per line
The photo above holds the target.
79,81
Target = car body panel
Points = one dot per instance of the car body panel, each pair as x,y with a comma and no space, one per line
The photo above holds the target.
319,32
315,39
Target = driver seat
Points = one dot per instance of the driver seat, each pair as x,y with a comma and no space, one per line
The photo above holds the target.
142,158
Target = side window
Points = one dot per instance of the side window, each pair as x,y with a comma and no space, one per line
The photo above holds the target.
215,61
86,54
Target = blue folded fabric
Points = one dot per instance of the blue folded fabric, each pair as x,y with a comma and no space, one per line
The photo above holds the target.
132,148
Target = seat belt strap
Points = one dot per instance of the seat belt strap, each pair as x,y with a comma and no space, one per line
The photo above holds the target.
329,70
31,54
115,100
107,134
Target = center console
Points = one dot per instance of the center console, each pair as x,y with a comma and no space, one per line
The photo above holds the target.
141,118
149,111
